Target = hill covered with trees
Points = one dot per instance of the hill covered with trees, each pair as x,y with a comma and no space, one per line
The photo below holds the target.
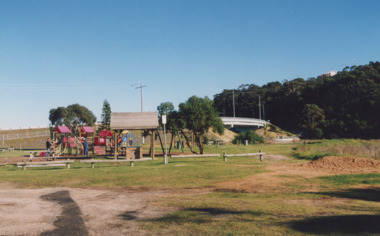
346,105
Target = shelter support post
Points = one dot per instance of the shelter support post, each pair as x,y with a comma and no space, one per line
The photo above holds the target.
116,136
152,144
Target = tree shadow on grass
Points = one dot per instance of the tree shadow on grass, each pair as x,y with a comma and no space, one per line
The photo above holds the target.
346,224
129,215
308,157
220,211
369,194
195,215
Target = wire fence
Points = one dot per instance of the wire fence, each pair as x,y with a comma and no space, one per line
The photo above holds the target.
23,135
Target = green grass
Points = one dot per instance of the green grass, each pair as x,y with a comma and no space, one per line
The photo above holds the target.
15,153
265,214
179,173
316,149
283,149
331,205
353,179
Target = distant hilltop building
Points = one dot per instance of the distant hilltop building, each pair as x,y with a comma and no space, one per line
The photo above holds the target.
330,73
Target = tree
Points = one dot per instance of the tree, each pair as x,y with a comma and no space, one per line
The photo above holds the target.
72,116
165,108
250,136
198,115
313,118
106,117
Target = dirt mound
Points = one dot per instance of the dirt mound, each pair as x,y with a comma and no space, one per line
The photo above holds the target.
342,163
227,137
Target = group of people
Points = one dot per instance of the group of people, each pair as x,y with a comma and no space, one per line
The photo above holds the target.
49,147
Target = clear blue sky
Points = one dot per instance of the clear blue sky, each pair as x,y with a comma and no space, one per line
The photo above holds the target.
61,52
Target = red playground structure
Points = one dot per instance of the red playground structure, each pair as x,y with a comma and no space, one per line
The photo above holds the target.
103,143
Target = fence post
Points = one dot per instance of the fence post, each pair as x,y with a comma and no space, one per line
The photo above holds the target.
224,157
68,164
261,156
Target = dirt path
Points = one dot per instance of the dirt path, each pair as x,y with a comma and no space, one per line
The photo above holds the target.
70,211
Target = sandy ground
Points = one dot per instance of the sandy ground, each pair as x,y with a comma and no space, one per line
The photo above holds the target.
72,211
103,212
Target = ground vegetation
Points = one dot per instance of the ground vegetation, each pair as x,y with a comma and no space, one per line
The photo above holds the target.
346,105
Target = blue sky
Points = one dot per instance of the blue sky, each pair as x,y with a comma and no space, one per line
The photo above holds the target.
57,53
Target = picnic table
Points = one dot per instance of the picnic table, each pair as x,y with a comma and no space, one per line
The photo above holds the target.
218,143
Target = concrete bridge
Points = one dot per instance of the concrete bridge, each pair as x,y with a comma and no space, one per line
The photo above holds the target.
231,122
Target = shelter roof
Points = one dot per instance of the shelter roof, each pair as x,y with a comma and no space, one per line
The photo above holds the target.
105,133
134,120
62,130
87,129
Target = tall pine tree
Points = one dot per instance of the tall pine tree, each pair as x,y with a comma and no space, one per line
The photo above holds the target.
106,117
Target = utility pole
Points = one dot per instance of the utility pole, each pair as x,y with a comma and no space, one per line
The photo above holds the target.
259,108
263,112
142,108
142,99
233,101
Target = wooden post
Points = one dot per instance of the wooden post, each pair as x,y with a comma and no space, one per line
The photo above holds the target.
152,145
68,164
92,163
131,163
261,156
224,157
115,150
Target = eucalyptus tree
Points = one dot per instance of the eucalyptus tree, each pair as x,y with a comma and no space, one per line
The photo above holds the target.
72,116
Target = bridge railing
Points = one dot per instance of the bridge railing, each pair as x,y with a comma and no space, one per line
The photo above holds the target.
243,121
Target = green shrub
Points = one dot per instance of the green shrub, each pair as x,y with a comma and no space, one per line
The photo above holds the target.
251,136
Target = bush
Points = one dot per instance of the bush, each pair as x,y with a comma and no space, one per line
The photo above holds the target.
251,136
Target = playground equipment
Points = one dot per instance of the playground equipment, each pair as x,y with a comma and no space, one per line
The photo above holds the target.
88,133
64,144
104,139
129,146
130,121
60,140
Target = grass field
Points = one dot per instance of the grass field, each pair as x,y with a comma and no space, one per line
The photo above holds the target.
344,204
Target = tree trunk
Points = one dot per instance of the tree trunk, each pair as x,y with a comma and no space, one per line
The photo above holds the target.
187,142
199,143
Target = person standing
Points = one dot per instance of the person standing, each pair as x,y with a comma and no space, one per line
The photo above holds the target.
85,147
48,145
